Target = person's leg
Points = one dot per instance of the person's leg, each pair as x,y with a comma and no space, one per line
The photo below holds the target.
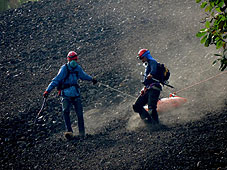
138,106
79,111
153,97
66,104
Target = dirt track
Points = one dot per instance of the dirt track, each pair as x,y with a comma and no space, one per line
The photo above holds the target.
34,41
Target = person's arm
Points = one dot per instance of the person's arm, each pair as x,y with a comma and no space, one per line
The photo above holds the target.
56,80
150,71
83,75
153,67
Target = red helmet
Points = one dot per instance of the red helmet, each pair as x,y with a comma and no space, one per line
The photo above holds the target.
72,55
141,52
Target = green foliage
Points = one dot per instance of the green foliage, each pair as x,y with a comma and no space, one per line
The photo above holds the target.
3,5
215,31
7,4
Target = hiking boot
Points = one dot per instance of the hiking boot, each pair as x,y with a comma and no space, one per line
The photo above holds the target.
147,121
68,135
155,121
154,116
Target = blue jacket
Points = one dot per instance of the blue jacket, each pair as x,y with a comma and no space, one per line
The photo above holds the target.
72,91
151,68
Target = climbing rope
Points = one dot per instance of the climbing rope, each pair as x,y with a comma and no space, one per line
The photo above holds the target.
200,82
107,86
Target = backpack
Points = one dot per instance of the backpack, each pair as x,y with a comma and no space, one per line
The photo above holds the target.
163,73
62,84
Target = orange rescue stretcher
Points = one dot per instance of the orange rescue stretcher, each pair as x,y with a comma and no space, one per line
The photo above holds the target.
169,103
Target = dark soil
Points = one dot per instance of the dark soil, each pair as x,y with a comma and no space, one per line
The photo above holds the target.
34,42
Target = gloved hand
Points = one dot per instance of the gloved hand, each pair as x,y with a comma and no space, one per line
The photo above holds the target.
45,94
149,76
94,81
143,91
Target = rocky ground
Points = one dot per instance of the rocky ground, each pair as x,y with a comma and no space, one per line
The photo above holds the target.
35,40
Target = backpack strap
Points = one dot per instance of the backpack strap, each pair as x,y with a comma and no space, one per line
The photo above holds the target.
72,72
62,85
68,72
67,76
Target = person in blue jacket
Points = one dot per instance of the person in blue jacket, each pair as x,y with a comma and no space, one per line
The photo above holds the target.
151,91
67,83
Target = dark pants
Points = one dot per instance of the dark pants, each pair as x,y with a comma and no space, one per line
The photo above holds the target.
66,105
151,98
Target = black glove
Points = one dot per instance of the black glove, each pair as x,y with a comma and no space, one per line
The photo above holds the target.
94,81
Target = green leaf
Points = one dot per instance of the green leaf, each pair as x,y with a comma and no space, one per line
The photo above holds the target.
218,9
208,41
207,24
208,8
223,64
215,61
197,1
212,4
223,18
221,4
217,54
203,5
212,14
203,39
204,30
223,68
219,44
200,34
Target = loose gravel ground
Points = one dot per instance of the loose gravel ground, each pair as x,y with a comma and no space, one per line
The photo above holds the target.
34,42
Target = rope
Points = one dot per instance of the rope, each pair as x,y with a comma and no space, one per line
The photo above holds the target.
201,82
107,86
117,90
